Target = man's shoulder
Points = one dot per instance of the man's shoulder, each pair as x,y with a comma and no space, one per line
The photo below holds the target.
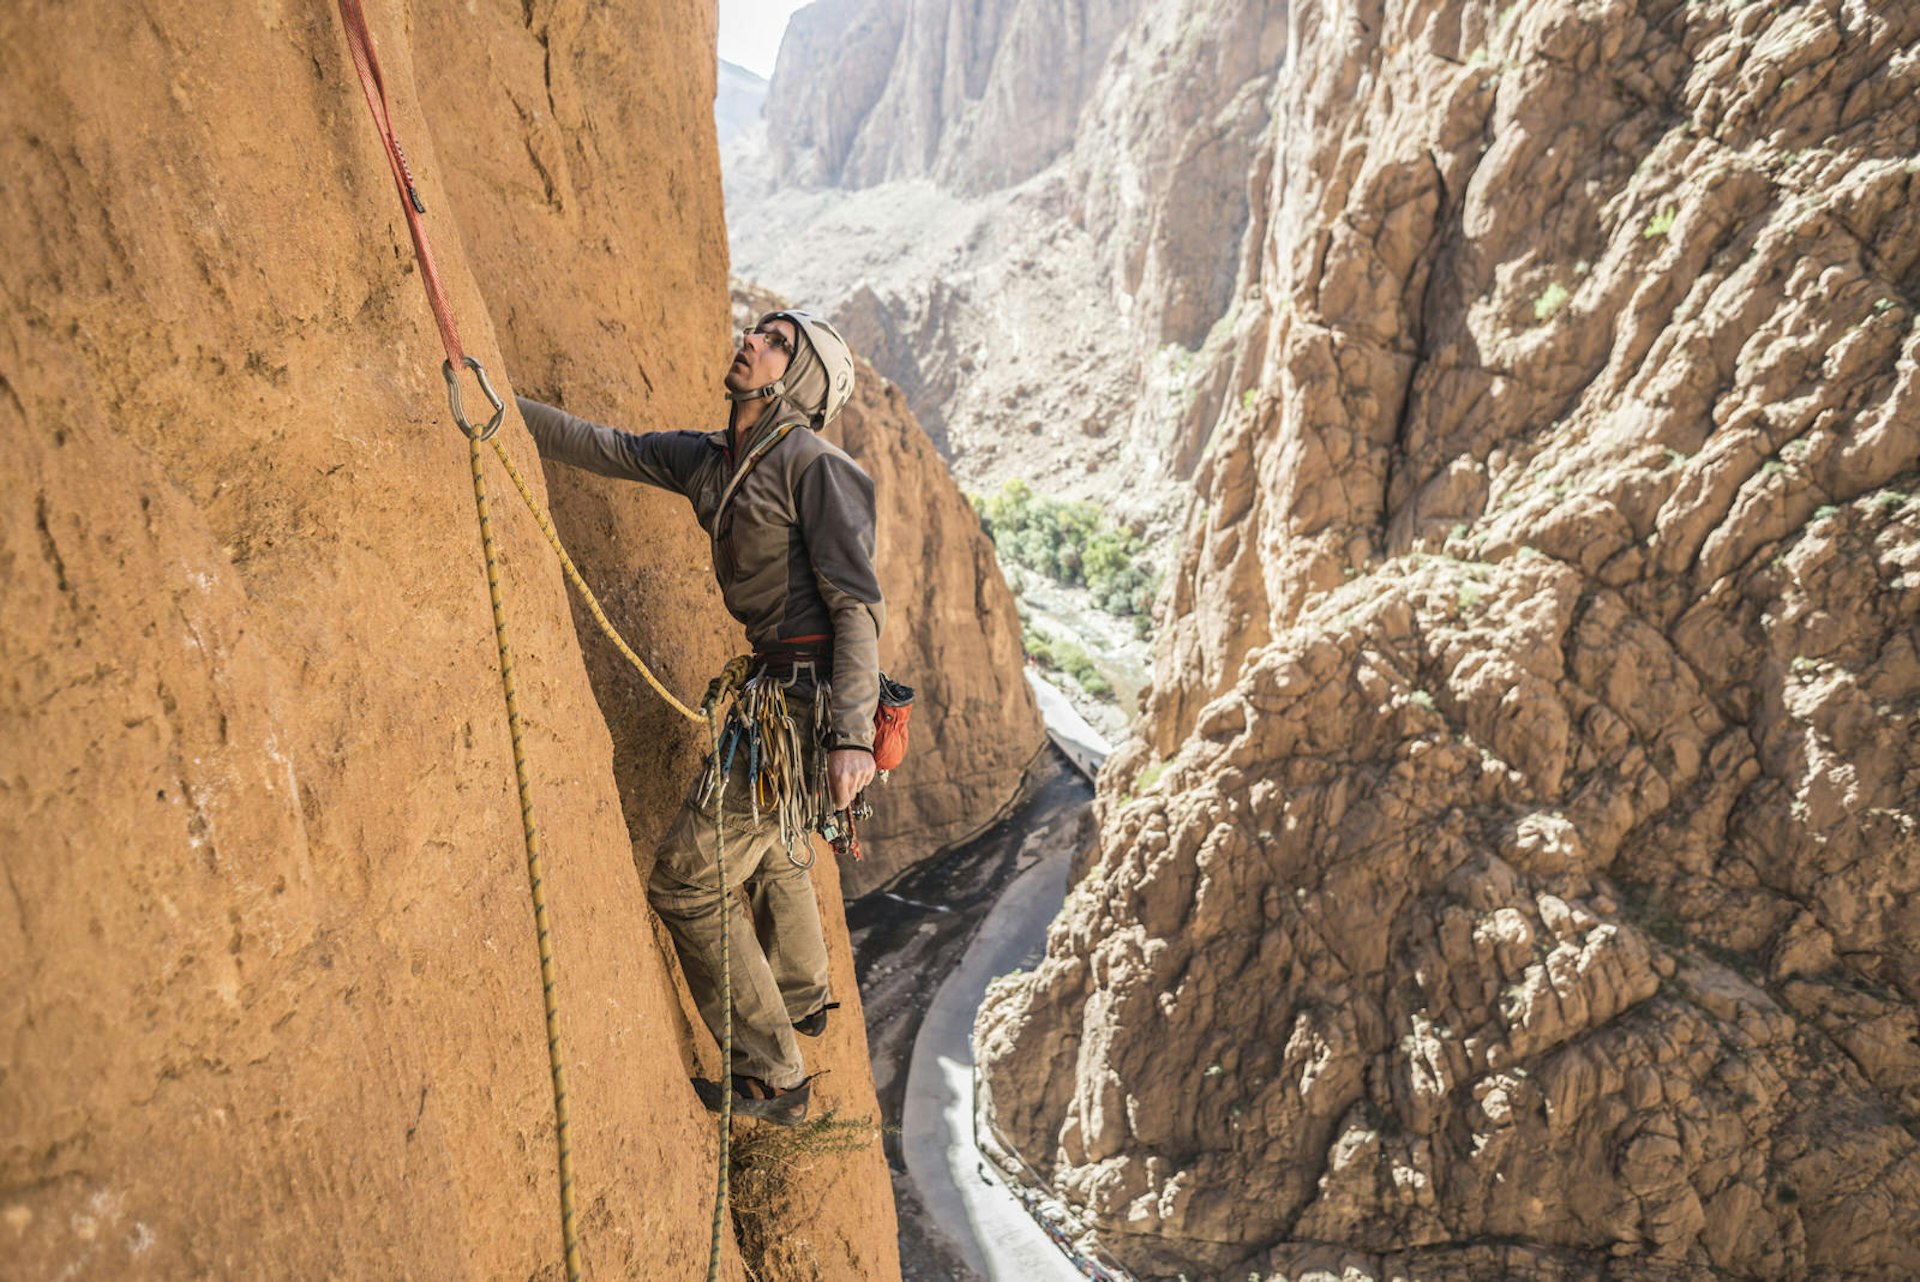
679,440
805,447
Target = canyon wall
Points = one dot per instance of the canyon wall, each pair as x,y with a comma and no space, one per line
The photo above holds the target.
977,95
1515,870
952,634
274,1003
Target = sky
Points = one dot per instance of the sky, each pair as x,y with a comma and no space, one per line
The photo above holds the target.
750,32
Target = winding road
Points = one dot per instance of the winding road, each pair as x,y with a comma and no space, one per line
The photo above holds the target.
960,1191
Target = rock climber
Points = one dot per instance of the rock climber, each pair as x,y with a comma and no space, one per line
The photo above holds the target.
790,520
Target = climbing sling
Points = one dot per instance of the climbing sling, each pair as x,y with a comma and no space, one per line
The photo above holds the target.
360,43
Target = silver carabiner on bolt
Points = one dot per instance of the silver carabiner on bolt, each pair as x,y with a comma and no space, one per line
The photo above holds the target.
459,410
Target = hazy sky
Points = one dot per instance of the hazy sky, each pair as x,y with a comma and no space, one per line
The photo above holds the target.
750,31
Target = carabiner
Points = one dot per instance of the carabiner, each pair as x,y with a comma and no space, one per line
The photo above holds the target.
459,410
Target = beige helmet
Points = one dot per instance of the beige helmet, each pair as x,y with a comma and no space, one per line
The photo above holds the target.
819,378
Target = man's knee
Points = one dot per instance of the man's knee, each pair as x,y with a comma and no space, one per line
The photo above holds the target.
674,898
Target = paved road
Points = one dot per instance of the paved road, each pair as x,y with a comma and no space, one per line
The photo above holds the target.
998,1237
1085,746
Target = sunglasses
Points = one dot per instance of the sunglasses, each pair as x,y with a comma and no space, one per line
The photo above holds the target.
775,339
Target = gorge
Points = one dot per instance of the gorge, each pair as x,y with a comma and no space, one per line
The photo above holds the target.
1512,869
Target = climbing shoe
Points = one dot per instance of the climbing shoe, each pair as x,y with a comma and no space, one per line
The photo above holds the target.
815,1024
754,1098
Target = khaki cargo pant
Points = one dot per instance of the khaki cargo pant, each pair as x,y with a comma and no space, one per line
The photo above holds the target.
778,954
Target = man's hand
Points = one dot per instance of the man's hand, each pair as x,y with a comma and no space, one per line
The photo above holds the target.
848,771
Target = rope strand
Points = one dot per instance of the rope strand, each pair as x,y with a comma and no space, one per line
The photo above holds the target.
586,593
542,932
726,1005
360,45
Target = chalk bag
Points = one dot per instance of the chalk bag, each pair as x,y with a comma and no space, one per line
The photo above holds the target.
890,724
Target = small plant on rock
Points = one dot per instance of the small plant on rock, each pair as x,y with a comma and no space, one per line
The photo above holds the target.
1551,300
770,1166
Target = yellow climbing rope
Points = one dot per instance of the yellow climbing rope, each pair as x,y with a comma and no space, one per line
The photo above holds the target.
726,999
711,717
367,65
586,593
521,775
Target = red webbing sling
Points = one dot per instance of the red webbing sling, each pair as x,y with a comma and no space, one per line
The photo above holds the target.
364,61
361,43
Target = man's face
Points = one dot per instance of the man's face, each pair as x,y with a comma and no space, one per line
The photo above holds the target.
763,356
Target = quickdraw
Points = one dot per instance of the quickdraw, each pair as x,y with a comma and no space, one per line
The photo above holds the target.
785,782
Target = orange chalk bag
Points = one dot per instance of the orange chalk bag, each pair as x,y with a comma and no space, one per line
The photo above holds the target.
890,724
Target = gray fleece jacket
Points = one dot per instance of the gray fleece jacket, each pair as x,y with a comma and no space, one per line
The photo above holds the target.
794,551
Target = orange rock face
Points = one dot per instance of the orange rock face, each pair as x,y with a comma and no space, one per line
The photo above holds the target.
274,1005
1530,887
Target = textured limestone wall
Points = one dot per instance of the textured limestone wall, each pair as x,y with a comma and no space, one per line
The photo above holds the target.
976,95
273,1005
1530,884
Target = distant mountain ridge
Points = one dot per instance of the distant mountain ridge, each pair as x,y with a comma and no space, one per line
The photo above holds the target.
738,100
978,95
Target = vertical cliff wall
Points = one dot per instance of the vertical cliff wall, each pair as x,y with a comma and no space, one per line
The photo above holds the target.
976,95
1526,885
273,1003
952,633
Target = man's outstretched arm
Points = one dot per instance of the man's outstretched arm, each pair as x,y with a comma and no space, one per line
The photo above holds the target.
666,459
